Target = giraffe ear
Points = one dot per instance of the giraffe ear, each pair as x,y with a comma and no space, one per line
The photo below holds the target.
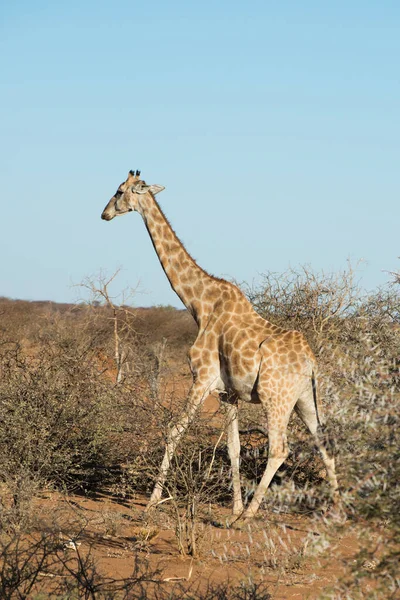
155,189
141,188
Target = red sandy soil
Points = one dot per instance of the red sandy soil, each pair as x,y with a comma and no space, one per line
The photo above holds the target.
299,567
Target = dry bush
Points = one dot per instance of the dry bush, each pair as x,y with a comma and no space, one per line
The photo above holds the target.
18,318
161,322
198,477
54,413
73,415
63,421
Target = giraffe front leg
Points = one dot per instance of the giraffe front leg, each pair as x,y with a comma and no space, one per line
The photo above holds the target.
234,455
197,394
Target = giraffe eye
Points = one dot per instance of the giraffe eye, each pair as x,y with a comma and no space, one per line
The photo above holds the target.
118,193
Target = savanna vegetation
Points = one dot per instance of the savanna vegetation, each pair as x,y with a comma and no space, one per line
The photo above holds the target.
86,395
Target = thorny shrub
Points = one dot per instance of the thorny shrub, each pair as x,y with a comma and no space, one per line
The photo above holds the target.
63,420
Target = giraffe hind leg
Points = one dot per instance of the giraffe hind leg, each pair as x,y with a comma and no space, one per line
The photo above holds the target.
307,410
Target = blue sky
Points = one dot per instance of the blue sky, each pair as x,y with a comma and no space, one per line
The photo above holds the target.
274,126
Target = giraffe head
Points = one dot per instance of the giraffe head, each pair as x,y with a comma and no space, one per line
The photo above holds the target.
128,196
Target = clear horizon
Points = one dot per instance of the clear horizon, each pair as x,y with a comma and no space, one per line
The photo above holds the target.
274,127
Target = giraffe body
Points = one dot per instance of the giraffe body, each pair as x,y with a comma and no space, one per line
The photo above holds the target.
237,353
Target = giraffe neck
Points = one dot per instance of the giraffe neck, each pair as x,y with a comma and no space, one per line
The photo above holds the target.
187,279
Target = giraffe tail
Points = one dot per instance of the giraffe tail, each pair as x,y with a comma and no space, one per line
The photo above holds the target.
315,397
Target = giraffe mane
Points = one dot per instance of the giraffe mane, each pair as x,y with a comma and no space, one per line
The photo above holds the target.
190,257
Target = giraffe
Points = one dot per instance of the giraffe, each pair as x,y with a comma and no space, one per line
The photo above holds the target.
237,353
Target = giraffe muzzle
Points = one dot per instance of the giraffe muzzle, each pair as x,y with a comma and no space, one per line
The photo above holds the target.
106,216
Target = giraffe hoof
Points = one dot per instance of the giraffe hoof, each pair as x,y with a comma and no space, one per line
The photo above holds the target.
239,524
150,507
227,523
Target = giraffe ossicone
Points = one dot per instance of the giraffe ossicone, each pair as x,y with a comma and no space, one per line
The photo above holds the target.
237,353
